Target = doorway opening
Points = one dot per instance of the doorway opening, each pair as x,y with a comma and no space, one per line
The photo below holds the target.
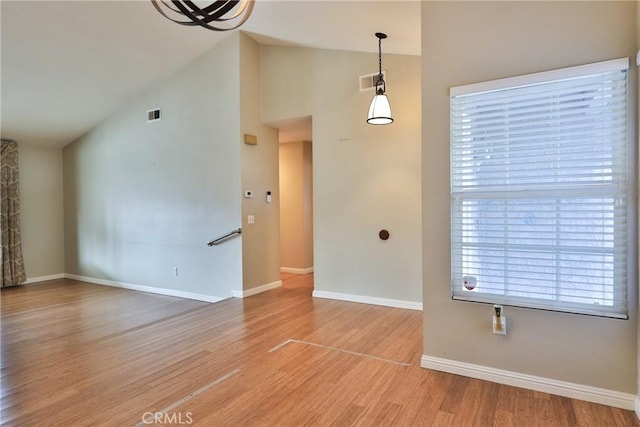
296,203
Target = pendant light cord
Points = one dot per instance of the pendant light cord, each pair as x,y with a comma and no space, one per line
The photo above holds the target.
379,58
380,84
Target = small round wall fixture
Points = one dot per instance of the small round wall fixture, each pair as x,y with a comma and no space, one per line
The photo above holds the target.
383,235
221,15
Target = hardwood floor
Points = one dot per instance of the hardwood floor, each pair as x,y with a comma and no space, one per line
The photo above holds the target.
81,354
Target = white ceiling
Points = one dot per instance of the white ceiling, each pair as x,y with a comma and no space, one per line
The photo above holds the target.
67,65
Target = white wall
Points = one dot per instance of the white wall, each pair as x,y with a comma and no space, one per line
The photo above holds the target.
365,178
142,198
41,211
502,39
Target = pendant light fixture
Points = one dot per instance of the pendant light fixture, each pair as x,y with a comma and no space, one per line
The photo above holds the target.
221,15
380,110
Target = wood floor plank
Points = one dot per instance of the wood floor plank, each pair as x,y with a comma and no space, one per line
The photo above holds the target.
543,408
502,418
488,403
454,394
563,411
76,354
422,408
524,414
466,413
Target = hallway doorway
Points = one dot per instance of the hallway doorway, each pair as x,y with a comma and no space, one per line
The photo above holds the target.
296,201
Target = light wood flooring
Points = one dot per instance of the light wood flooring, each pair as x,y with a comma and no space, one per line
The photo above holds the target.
77,354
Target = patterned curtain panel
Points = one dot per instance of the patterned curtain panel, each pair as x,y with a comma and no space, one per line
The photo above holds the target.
12,262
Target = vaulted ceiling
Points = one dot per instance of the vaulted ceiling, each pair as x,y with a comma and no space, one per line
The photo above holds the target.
67,65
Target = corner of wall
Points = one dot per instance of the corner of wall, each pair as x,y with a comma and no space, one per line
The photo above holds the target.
42,212
259,165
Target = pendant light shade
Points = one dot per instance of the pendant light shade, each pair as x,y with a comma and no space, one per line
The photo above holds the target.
380,109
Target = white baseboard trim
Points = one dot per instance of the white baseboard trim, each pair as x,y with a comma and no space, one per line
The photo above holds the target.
256,290
638,407
39,279
546,385
294,270
387,302
144,288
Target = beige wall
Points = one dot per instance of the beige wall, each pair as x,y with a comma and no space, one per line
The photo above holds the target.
142,198
296,205
41,211
477,41
260,241
289,95
365,178
634,63
307,202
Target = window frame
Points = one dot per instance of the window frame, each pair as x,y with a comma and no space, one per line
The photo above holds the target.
620,310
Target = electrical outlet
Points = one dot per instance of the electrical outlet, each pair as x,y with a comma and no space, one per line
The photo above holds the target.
500,325
499,321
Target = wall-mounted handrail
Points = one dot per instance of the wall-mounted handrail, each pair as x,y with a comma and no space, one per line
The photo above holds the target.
224,237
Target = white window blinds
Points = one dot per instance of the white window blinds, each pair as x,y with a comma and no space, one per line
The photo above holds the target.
539,190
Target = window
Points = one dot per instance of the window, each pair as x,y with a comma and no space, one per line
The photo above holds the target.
539,190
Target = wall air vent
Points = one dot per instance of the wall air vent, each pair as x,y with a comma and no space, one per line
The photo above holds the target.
153,115
368,82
